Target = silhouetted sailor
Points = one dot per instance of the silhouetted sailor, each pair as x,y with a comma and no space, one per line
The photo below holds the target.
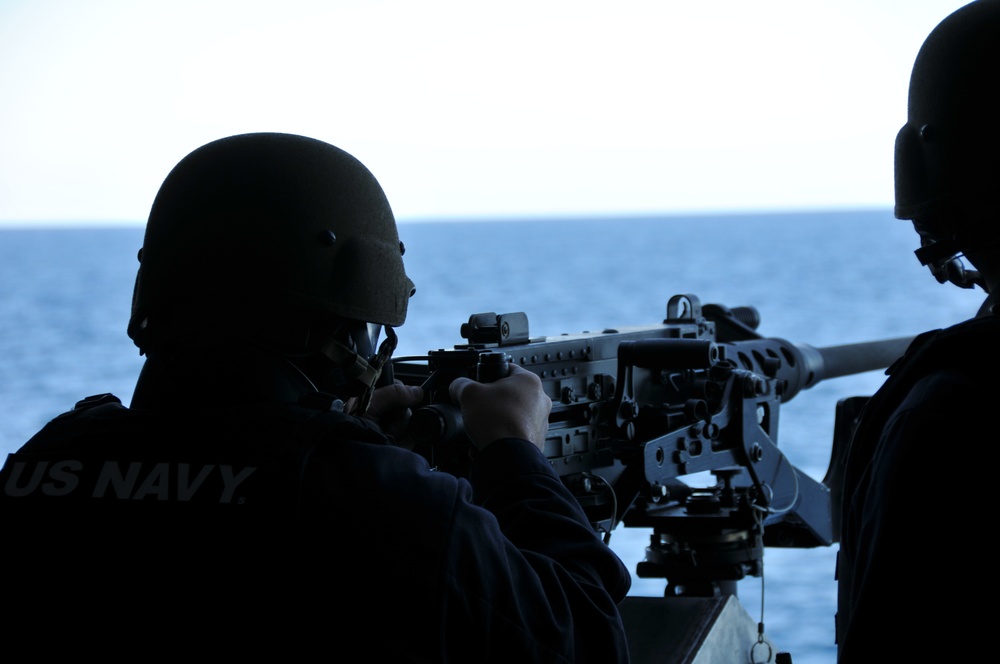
916,562
250,500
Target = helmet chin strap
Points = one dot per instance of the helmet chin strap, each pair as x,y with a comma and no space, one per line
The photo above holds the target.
359,370
945,263
941,252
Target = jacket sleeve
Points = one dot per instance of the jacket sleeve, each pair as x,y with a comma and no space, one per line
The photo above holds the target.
502,567
561,583
909,538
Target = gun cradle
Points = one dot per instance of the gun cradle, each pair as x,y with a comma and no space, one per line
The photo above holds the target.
635,409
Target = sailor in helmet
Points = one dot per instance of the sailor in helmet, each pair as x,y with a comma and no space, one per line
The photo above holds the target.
914,567
249,500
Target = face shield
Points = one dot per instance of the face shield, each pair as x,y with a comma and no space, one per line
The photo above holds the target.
363,339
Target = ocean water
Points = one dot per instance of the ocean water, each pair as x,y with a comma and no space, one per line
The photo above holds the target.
817,278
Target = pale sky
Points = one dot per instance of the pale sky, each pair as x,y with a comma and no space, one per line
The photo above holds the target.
466,109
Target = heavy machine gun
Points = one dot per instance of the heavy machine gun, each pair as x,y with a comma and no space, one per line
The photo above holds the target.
636,409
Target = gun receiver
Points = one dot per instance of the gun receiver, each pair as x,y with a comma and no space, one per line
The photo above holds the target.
635,409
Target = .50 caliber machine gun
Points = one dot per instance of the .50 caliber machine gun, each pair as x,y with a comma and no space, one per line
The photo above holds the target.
636,409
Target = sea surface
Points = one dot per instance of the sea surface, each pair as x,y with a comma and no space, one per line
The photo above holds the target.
821,279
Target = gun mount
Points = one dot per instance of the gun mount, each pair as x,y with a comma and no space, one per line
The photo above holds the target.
637,409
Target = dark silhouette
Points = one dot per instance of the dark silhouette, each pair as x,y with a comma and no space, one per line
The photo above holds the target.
916,559
252,499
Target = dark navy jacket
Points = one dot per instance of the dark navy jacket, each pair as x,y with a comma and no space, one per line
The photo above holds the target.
280,529
916,558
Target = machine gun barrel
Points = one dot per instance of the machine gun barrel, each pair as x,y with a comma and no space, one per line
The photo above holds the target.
847,359
801,366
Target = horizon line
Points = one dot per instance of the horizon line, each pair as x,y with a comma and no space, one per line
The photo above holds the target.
497,218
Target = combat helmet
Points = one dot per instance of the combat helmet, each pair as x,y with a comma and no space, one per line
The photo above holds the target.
947,169
276,237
